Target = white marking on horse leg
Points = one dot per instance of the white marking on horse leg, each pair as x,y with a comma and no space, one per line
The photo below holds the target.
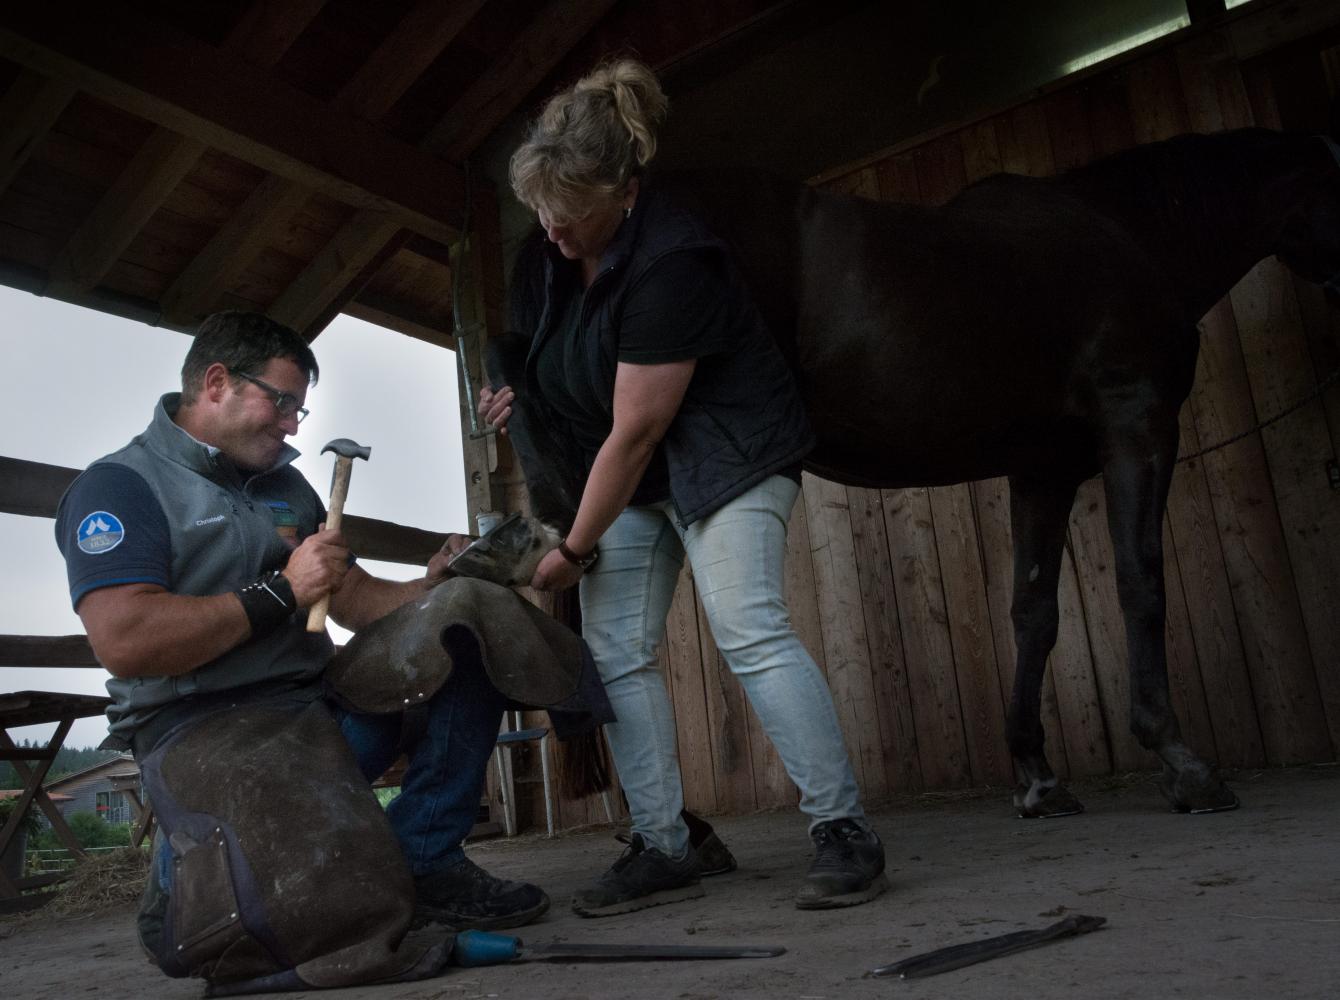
1037,790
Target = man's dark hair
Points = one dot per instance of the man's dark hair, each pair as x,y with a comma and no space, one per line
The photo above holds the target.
242,342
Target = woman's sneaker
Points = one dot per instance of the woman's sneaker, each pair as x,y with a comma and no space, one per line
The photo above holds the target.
714,858
848,867
642,877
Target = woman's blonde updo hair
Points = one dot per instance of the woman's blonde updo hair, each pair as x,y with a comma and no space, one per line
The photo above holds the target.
590,139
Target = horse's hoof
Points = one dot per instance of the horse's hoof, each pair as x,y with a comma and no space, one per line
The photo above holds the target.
1225,805
1035,802
1221,799
1197,794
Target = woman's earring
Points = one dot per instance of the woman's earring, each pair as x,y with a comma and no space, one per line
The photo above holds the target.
628,211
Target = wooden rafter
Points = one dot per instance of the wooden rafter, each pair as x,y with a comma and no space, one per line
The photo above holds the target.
217,267
152,174
268,29
262,37
497,93
419,38
330,275
27,111
370,93
159,73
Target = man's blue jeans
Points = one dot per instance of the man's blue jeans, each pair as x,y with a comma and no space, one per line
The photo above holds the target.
439,796
737,556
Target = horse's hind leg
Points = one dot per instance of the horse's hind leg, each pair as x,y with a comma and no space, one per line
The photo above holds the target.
1136,477
1039,510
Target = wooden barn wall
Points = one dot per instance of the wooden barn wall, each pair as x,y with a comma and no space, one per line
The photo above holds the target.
903,596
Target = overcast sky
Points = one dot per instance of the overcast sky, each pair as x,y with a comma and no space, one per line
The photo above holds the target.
76,384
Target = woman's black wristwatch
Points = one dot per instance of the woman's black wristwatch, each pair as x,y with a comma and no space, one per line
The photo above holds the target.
584,562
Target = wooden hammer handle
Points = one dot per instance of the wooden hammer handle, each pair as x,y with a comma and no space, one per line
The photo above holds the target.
316,615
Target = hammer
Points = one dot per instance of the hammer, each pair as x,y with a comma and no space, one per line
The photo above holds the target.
345,453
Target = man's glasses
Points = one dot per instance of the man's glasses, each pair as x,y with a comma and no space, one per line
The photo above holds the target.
285,402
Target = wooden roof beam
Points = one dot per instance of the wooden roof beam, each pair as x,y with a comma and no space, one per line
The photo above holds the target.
268,29
216,268
262,37
420,38
308,298
152,174
159,73
496,94
27,111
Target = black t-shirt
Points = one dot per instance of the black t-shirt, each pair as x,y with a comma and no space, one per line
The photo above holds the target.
677,312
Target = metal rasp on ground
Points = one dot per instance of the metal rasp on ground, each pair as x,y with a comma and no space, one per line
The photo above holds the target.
476,948
958,955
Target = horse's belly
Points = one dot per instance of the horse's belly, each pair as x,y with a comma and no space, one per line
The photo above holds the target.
898,447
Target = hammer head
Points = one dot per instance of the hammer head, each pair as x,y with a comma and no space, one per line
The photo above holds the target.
344,448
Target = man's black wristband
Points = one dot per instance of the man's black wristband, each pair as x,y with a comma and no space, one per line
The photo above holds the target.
269,602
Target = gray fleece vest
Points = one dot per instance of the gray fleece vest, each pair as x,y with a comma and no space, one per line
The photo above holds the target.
223,535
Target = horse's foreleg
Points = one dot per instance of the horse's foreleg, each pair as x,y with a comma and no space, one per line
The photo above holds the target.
1038,513
1136,477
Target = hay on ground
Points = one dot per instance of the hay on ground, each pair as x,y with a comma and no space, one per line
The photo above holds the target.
105,880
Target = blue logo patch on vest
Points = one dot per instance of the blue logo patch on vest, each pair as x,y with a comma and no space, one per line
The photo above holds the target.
100,532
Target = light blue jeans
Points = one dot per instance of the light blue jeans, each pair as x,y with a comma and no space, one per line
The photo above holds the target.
737,556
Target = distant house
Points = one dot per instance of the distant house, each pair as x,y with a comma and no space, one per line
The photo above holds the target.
98,789
14,793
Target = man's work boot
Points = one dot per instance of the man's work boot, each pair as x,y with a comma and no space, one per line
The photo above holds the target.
714,858
848,866
463,896
642,877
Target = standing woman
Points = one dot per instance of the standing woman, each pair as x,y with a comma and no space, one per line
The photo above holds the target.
649,357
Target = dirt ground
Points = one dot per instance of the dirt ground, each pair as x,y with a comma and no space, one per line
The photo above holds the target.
1234,905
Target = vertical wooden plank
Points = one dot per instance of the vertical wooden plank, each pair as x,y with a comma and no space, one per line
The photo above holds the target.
1109,111
923,618
682,657
728,726
970,634
801,599
1022,137
1185,686
843,620
1155,88
896,178
1268,617
773,788
1297,450
1075,668
1068,132
1209,604
1321,327
1091,548
879,601
940,173
1280,369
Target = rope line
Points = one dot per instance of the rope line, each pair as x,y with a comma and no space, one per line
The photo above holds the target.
1263,424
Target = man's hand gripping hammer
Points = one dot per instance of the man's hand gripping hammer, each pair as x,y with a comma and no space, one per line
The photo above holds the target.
345,453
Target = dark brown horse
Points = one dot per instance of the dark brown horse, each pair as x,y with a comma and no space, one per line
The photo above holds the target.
1041,329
